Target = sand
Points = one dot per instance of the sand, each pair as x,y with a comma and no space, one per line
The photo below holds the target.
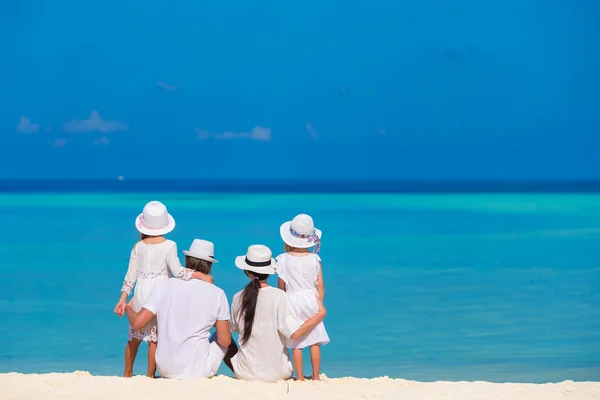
82,385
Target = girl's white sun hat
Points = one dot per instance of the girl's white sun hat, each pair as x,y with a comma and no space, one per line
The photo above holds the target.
300,232
155,220
258,259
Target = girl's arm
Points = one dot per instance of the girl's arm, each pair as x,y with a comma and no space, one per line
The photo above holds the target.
128,283
280,270
320,283
184,273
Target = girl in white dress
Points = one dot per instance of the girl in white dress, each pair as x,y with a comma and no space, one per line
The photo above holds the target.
151,260
301,276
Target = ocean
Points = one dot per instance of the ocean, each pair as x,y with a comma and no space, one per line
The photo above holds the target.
425,286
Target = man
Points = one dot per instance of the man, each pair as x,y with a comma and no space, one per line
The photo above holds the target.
185,313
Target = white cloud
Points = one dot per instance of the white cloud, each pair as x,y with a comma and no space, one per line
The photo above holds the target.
58,143
231,135
26,126
94,123
311,130
167,87
258,133
103,141
202,134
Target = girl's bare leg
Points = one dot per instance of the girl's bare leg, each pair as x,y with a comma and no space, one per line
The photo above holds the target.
130,352
315,360
297,357
152,359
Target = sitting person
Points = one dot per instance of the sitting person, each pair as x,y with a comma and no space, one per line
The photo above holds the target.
264,319
185,312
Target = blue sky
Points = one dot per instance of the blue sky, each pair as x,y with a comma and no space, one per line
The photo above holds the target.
424,89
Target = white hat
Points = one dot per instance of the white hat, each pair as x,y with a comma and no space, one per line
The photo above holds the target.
202,249
300,232
155,220
257,259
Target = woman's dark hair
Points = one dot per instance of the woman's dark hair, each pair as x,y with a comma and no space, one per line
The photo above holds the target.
248,307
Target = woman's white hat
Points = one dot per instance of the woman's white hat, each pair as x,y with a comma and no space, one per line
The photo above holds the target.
300,232
155,220
202,249
258,259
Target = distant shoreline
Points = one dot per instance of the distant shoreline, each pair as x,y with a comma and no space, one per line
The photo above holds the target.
296,186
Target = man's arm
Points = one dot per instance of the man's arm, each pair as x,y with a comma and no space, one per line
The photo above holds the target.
223,333
310,323
138,319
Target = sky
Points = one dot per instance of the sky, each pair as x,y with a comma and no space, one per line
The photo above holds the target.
385,89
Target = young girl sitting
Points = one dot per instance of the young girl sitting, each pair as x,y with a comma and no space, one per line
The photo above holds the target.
149,264
301,276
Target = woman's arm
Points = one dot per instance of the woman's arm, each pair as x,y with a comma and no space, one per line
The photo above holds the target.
311,323
320,283
281,284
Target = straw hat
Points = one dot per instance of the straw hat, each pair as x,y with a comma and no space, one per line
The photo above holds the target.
300,232
202,249
258,259
155,220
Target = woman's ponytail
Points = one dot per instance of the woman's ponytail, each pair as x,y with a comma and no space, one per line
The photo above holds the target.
248,307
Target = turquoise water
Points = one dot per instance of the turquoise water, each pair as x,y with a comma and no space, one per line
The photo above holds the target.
427,287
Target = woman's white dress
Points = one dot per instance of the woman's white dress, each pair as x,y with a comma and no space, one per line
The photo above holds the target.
149,265
300,275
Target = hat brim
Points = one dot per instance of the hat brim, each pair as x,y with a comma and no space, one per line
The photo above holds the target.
293,241
199,256
240,262
155,232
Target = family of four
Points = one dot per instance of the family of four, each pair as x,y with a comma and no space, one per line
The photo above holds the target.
175,314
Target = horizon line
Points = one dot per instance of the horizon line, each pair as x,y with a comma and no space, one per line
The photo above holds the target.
272,185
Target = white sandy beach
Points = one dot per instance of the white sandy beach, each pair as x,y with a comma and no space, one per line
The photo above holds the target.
82,385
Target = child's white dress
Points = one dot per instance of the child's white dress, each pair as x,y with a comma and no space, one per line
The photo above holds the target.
149,265
300,275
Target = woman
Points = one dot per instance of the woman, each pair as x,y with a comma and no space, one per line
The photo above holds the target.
264,319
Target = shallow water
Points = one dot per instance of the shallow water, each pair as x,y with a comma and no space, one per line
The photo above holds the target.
428,287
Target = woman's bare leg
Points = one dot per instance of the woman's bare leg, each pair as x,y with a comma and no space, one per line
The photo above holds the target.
130,352
297,357
315,360
152,359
